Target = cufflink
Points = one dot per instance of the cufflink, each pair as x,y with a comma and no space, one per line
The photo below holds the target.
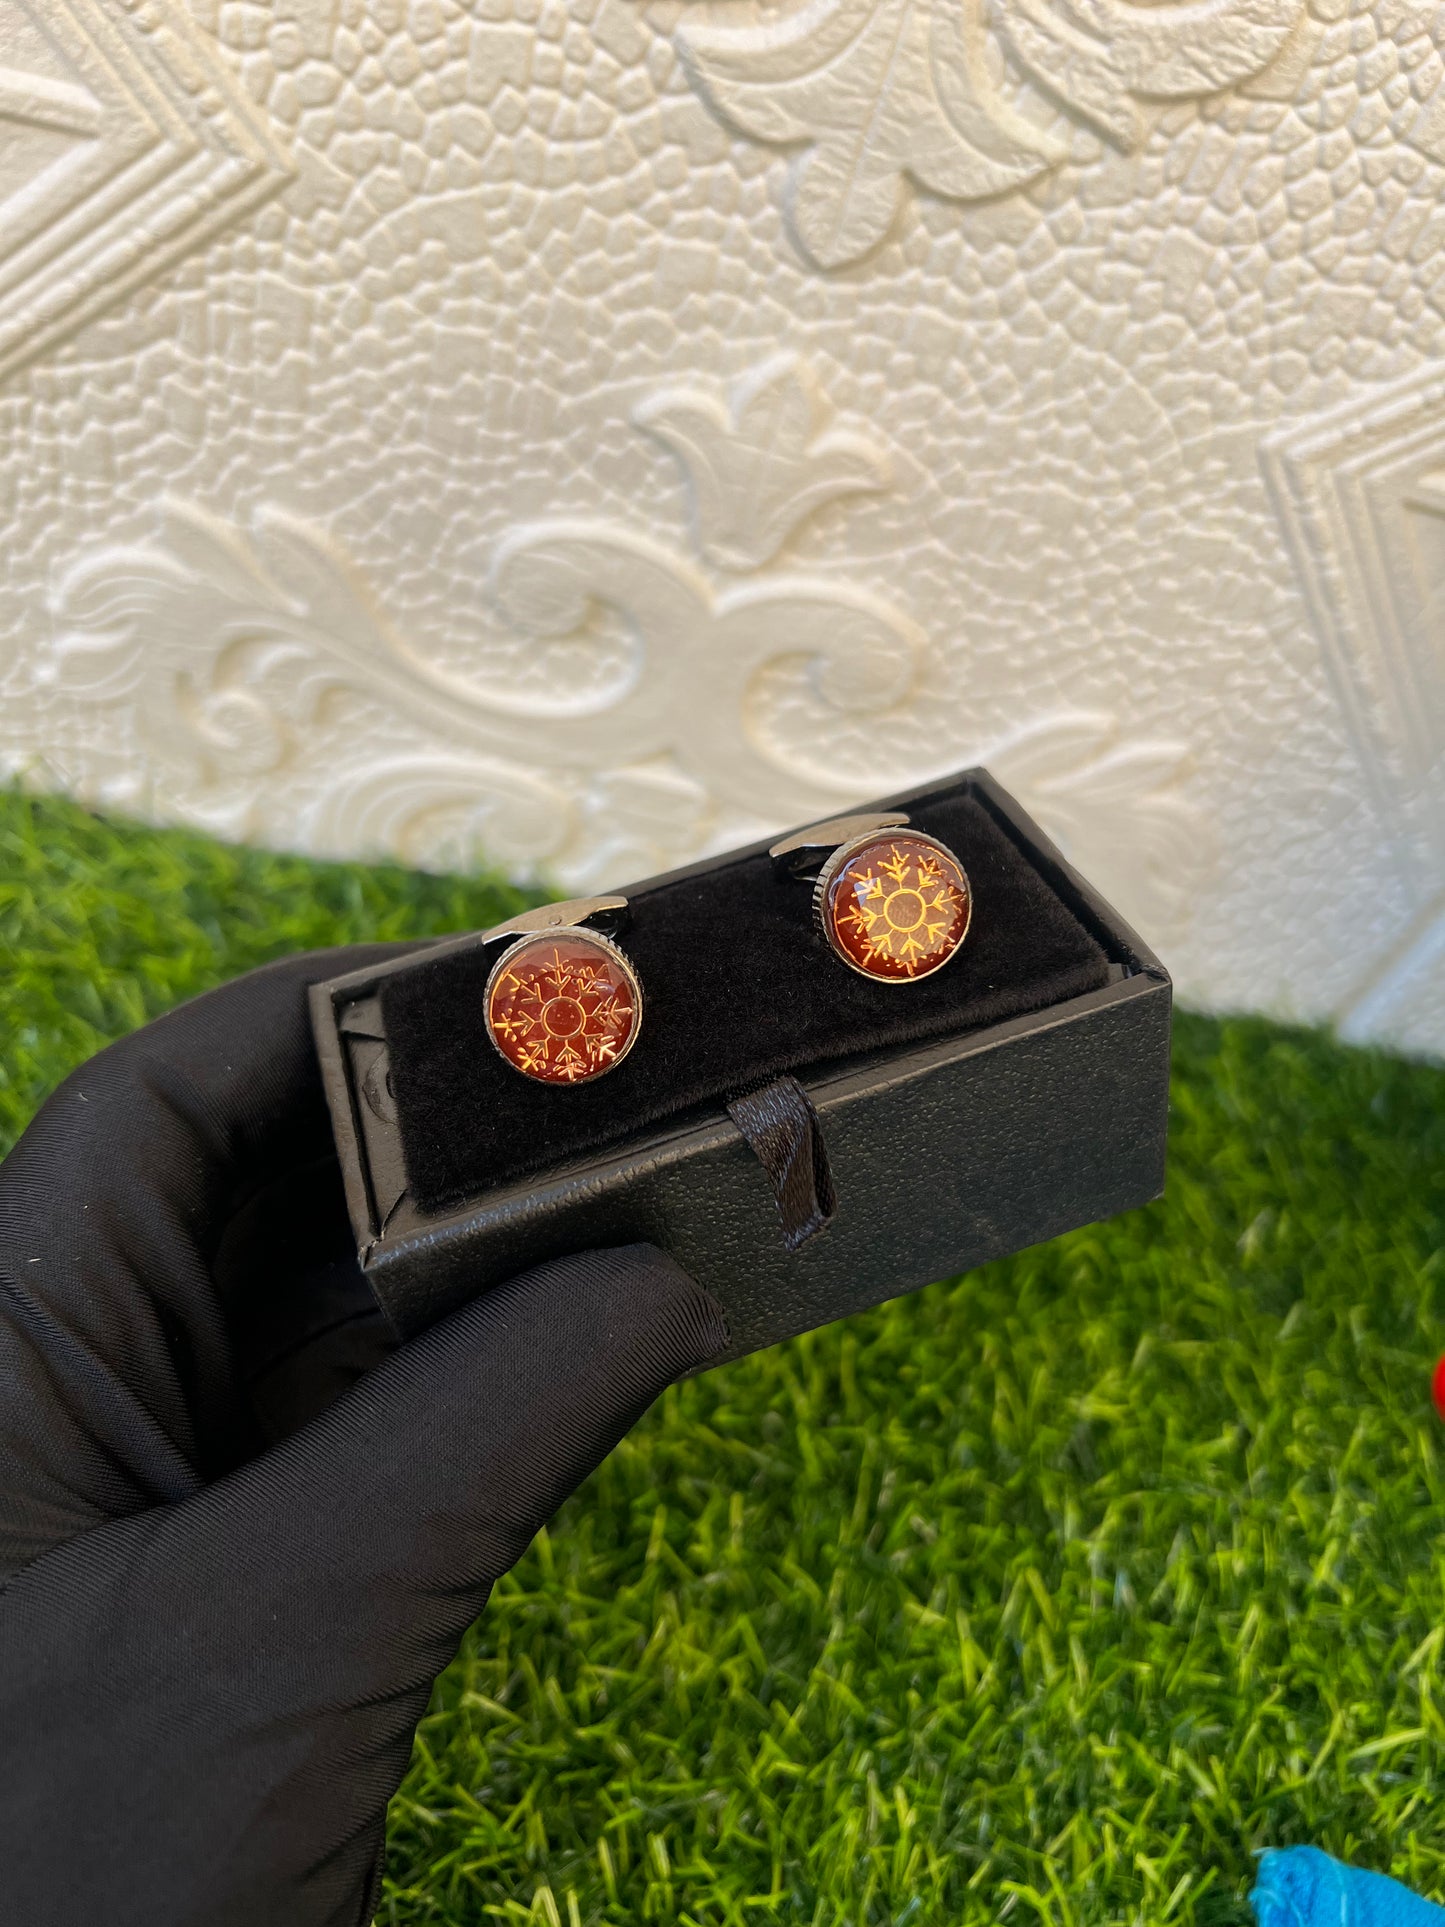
563,1004
892,902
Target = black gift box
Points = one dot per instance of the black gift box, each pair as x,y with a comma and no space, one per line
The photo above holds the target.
1018,1093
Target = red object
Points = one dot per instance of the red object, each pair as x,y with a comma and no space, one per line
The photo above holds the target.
1437,1387
898,907
563,1009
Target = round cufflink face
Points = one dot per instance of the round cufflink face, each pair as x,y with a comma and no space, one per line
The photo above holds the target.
565,1008
894,904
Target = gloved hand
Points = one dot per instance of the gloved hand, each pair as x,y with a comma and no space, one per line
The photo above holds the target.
232,1560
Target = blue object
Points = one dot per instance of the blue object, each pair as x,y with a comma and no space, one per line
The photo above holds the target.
1302,1887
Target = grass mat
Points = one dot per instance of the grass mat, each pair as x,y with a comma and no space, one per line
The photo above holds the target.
1047,1594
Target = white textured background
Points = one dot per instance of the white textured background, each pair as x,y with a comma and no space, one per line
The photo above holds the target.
586,433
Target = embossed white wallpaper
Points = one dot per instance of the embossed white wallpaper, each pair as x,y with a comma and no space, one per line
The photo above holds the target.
584,433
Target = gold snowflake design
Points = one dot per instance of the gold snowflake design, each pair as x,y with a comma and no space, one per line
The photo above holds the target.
559,1013
900,909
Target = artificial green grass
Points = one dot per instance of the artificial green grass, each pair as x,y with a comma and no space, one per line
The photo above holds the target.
1050,1593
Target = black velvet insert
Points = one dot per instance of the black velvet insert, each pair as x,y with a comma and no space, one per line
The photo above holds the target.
738,987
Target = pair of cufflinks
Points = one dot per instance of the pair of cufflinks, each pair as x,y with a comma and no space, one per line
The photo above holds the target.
564,1003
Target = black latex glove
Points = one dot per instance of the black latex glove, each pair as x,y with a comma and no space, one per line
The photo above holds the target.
216,1638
